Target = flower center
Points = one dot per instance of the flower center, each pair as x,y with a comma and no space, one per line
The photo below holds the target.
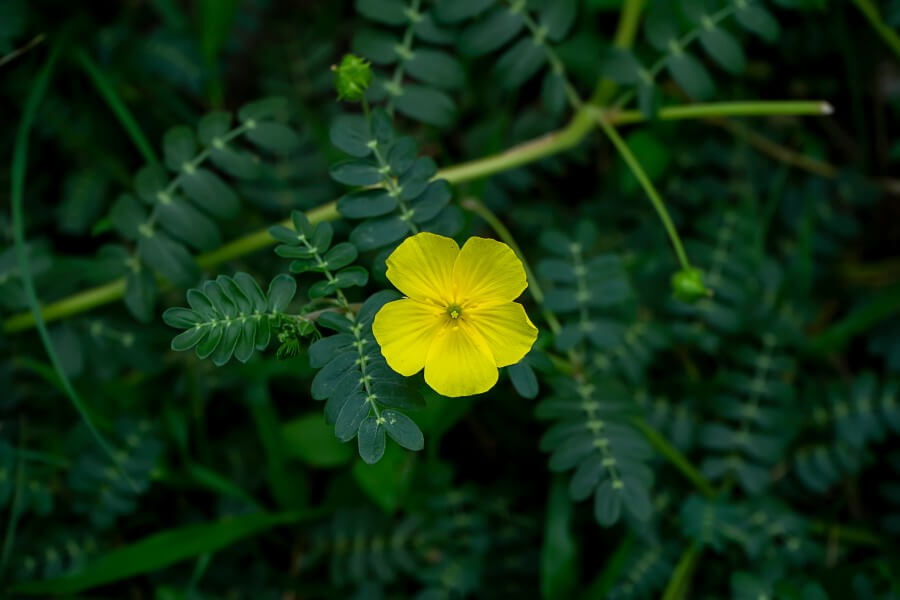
455,311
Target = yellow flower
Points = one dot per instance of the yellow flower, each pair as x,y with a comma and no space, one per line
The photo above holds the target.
458,319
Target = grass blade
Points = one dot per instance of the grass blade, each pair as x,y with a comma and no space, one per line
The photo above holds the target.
17,198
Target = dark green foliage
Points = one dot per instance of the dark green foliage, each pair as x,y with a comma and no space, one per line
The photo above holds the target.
720,422
407,200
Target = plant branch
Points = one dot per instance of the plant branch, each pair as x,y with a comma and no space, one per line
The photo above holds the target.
17,200
121,111
674,456
870,11
626,31
649,188
546,145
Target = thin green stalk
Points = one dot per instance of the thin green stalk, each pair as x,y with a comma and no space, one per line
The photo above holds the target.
674,456
680,582
847,533
650,190
602,584
726,109
115,103
17,199
478,207
626,31
888,34
15,511
404,51
549,144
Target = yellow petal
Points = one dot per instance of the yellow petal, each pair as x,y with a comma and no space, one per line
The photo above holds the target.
506,329
422,266
405,329
488,272
459,362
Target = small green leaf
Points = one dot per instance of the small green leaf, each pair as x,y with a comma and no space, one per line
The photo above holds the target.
371,440
389,12
274,137
274,107
429,203
402,429
225,348
189,338
362,204
188,224
350,133
351,415
523,379
212,126
376,233
490,32
453,11
281,292
171,259
179,147
210,193
356,172
436,67
754,17
557,17
377,46
607,504
690,75
340,256
127,216
520,62
351,276
723,49
426,104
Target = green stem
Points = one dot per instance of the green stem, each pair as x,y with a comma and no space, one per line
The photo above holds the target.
118,107
674,456
17,199
15,511
394,87
478,207
650,190
888,35
549,144
726,109
626,31
856,535
680,582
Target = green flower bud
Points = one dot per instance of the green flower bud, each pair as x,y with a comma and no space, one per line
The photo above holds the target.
687,285
352,77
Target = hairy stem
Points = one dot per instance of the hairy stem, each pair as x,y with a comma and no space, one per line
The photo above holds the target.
546,145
